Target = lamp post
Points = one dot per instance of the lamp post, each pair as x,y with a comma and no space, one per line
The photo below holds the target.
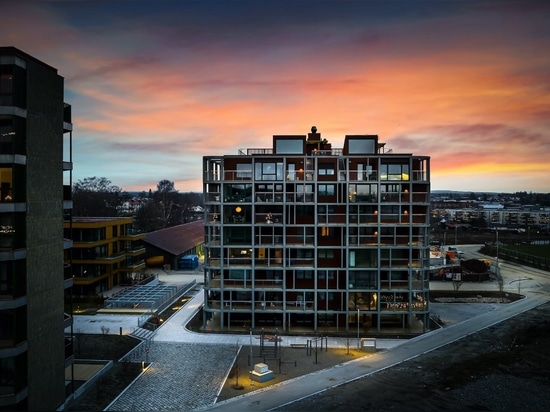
358,343
456,228
497,268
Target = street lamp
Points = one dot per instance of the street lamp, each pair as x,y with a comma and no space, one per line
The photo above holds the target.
456,227
497,268
358,343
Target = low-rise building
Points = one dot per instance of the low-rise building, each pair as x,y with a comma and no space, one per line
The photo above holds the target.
107,252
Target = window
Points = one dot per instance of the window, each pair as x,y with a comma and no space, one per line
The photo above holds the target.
237,274
304,211
244,171
7,133
365,193
7,230
394,171
326,231
269,171
363,280
304,193
289,146
237,192
326,169
6,86
6,177
304,274
325,253
326,190
366,258
364,172
326,274
361,146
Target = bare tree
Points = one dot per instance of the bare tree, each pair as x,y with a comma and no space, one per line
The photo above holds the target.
95,196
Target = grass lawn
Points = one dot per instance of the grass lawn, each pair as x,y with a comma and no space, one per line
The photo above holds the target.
534,250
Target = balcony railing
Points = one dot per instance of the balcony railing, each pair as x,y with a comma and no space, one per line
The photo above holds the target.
270,305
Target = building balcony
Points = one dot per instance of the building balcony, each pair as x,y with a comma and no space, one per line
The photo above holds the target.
212,197
133,267
132,235
69,349
67,320
136,251
246,283
267,306
89,279
67,117
237,175
115,257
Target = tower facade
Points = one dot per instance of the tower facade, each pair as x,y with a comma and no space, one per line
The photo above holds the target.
35,174
305,237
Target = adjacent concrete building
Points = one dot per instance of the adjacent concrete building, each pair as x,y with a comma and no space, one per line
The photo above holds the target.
35,187
304,236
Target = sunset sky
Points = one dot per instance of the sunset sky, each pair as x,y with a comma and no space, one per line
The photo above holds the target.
156,85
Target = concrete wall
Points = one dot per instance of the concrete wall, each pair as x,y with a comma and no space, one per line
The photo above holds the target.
44,225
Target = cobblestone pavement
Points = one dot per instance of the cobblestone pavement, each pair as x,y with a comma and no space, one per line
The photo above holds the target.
182,377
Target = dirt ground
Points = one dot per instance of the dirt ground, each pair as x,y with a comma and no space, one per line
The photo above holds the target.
503,368
294,362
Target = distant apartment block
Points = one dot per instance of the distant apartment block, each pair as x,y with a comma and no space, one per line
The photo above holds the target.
35,188
106,252
496,215
302,236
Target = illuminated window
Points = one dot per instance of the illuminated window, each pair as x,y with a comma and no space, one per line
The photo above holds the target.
6,177
326,231
394,172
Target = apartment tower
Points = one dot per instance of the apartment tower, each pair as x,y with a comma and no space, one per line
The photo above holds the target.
304,237
35,187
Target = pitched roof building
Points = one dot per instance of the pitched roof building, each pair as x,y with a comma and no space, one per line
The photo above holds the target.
175,242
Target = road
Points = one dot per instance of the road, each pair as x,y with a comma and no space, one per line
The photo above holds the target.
516,278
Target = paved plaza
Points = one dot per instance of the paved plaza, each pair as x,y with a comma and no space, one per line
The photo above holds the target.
182,377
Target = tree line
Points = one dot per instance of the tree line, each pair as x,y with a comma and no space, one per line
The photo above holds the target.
153,210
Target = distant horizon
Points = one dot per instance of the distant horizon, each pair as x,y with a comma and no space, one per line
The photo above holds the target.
466,192
157,85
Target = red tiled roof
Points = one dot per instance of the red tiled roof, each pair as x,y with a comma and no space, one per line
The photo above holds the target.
177,239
